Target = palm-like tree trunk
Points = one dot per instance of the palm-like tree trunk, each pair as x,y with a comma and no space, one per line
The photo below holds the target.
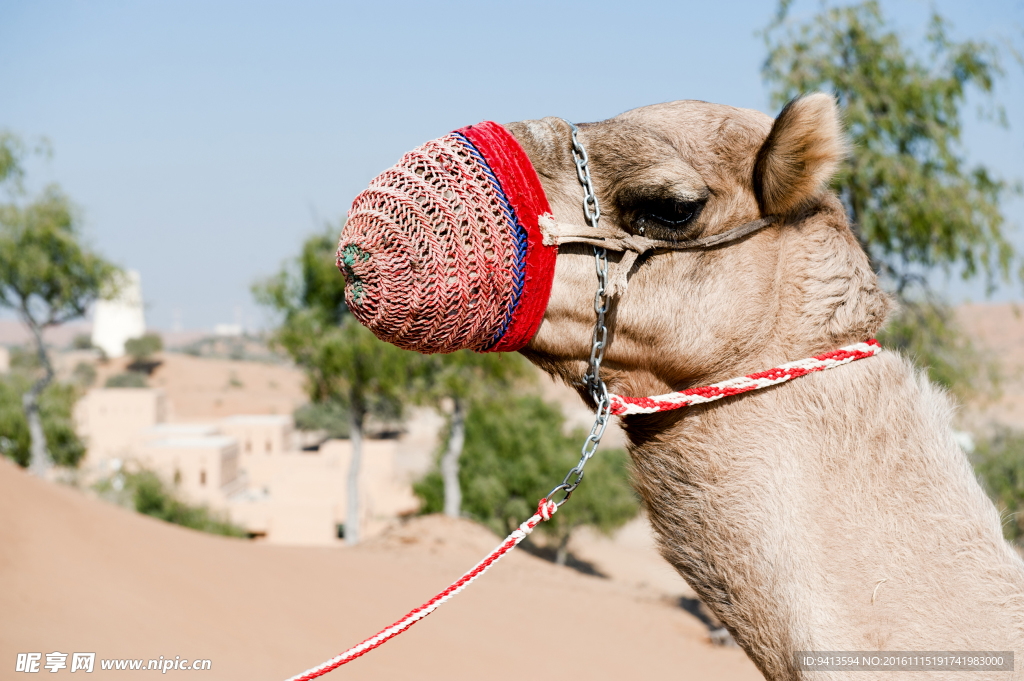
39,463
562,553
450,461
356,419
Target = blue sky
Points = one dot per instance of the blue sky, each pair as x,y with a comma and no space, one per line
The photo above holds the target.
204,140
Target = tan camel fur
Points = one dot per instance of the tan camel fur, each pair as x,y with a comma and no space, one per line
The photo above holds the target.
833,512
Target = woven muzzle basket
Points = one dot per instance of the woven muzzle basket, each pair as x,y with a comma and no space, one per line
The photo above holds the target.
443,250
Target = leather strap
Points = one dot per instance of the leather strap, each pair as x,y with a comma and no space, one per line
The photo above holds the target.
632,245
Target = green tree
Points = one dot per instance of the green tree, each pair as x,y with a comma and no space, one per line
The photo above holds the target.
55,405
345,365
455,380
48,276
515,452
144,347
331,418
914,201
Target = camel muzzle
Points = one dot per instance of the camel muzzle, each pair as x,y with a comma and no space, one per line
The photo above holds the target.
443,250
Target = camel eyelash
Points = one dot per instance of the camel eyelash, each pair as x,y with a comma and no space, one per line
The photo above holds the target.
671,212
665,217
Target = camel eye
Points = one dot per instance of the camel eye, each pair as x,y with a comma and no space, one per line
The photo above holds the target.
669,213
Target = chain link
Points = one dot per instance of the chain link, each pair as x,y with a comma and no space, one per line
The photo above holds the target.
598,389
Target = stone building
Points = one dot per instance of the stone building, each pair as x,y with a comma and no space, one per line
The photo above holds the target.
250,466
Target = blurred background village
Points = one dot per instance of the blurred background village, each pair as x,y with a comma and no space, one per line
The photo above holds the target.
174,341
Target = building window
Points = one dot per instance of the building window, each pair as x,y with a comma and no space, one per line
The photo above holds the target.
248,445
270,446
177,476
202,478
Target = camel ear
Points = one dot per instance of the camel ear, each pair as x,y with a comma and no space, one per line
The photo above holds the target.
802,153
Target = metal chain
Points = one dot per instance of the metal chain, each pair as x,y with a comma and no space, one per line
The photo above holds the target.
597,387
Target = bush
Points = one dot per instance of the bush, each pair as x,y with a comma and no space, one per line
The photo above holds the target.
144,347
999,462
515,452
330,417
127,379
14,437
84,374
147,493
55,405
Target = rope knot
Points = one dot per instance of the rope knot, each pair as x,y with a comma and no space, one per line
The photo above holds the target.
546,509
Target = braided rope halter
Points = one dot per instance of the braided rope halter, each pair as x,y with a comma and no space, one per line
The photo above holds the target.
608,404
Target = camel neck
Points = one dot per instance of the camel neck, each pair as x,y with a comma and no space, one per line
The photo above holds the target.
745,495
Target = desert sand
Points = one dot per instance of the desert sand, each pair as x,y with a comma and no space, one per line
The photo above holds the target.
79,575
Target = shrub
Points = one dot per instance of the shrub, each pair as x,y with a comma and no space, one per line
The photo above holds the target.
127,379
515,452
330,417
147,494
144,347
84,374
55,405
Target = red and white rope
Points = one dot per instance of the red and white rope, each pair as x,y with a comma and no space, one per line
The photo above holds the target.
545,509
620,406
626,406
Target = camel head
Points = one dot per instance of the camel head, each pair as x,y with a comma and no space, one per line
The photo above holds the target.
431,264
686,170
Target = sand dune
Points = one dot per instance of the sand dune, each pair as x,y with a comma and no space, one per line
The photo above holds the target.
79,575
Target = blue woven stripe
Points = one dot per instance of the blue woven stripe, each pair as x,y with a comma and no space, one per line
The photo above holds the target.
519,271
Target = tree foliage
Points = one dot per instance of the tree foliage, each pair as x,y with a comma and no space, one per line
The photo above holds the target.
55,408
469,375
458,379
908,188
47,276
914,200
127,379
328,417
343,361
345,365
144,347
515,452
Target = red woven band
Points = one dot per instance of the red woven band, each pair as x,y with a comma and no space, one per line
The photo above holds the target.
518,179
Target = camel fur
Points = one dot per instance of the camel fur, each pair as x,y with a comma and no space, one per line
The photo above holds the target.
834,512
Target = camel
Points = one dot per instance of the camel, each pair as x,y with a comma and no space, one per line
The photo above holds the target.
834,512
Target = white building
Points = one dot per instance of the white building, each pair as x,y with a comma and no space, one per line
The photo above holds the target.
121,318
